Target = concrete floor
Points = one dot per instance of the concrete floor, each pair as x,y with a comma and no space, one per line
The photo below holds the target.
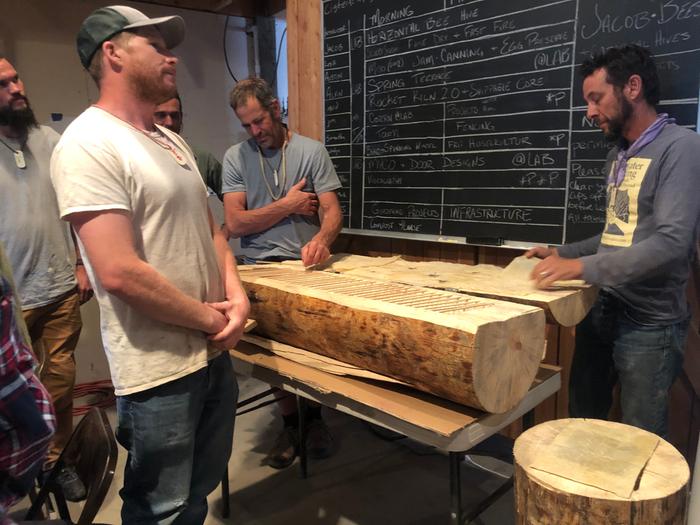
368,481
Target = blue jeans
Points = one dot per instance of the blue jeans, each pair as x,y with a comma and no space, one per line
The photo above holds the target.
179,437
611,346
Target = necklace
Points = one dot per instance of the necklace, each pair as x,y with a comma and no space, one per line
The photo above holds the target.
275,195
19,155
156,135
179,157
272,169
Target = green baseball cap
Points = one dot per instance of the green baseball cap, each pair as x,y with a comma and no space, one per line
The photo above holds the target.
106,22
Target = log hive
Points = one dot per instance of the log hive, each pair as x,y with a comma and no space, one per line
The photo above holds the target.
586,471
474,351
566,306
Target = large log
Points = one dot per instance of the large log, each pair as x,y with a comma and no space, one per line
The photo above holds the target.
576,471
566,306
474,351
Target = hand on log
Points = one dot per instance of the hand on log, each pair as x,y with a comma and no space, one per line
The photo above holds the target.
314,252
555,268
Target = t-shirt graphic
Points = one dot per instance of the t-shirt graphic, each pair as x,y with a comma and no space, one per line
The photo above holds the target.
623,204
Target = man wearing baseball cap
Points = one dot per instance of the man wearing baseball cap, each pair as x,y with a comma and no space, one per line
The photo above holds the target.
170,298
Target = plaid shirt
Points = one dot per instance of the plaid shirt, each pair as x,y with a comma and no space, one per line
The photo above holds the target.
27,420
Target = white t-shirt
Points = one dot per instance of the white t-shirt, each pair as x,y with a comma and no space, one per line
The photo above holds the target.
103,163
36,240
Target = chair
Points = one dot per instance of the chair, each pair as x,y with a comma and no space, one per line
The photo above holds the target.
92,449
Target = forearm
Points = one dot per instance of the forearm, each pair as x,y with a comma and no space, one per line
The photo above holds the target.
140,286
247,222
227,265
579,249
331,224
655,255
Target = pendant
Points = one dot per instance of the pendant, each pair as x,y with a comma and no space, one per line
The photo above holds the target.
19,159
274,175
179,158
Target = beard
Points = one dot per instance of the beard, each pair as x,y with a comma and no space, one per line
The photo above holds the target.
18,120
151,88
616,125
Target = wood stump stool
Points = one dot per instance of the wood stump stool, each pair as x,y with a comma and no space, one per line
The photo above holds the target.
586,471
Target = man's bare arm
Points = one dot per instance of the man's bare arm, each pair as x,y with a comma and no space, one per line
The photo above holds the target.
318,249
241,221
236,307
108,239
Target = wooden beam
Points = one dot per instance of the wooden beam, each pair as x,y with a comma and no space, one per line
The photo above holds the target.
304,66
243,8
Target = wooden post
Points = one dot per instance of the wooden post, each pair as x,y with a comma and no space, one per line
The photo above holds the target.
304,65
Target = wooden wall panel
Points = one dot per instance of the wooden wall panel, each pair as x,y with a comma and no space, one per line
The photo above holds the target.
547,410
564,358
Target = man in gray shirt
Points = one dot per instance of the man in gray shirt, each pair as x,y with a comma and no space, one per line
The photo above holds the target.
636,330
38,245
279,198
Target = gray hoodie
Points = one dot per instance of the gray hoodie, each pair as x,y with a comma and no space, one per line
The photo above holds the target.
644,253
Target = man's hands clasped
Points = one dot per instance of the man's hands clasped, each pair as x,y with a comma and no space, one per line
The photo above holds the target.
228,321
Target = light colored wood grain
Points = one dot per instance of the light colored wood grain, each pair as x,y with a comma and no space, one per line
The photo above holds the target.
475,351
304,66
314,360
566,307
545,498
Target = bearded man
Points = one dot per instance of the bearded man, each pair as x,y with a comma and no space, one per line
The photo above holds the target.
50,282
635,333
170,298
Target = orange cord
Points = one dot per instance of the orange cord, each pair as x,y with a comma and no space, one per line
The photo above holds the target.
101,391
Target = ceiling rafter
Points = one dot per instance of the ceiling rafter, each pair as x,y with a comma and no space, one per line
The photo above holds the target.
243,8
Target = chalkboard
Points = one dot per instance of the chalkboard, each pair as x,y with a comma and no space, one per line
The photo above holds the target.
464,119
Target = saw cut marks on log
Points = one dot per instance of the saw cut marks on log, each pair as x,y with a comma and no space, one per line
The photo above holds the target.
564,305
471,350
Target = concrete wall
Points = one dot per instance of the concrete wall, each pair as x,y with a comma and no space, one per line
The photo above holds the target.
39,38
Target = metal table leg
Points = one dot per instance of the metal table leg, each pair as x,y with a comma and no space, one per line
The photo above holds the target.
301,406
225,495
490,500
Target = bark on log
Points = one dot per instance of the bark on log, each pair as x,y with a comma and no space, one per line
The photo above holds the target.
474,351
592,465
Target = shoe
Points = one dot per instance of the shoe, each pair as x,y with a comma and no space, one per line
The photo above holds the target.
319,441
68,481
285,449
